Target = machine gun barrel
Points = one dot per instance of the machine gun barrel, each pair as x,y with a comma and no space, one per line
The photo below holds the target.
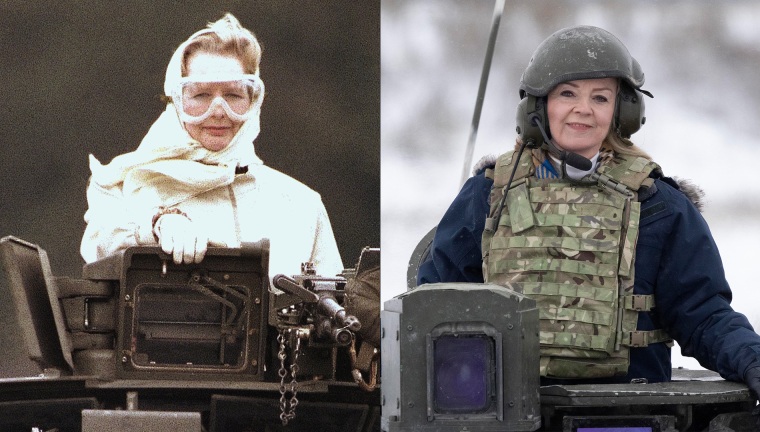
329,307
335,323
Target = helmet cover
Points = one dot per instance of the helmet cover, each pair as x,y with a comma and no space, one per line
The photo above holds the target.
580,52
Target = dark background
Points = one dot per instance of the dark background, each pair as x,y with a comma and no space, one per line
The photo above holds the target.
86,77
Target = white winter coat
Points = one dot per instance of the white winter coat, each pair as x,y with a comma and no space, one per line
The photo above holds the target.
171,169
262,203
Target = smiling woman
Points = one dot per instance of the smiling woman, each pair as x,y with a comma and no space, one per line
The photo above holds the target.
195,180
580,219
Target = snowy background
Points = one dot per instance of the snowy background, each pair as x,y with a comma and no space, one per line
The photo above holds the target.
701,61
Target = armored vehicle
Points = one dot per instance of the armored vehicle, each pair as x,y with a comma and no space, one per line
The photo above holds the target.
139,343
470,363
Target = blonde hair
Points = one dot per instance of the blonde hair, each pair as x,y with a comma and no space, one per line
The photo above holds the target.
227,37
620,145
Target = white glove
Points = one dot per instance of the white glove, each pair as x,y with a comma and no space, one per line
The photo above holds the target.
179,237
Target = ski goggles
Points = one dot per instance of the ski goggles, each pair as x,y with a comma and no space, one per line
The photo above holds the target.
197,98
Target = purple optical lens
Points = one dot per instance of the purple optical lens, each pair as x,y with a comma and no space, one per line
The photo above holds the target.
463,367
615,429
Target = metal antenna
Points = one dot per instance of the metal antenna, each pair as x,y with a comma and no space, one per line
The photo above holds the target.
497,12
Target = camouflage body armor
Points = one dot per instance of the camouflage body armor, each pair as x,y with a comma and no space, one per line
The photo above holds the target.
571,246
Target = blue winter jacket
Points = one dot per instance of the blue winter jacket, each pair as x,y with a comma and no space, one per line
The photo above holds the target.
676,260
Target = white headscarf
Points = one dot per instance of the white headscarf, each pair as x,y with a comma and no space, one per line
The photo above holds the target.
170,166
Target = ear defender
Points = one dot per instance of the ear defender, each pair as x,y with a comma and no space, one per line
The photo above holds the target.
629,111
531,113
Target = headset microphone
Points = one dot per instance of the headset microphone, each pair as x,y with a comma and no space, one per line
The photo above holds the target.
573,159
577,161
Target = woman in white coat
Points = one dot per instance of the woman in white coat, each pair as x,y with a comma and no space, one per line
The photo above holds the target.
195,179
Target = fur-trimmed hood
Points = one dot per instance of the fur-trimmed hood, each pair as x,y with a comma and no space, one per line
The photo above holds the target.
487,161
693,192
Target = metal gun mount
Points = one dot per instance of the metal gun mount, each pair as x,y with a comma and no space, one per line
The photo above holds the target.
141,343
310,306
307,311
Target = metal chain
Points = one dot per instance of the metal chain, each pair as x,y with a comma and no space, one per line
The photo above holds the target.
293,383
288,406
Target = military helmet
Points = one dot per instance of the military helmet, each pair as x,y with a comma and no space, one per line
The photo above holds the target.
581,52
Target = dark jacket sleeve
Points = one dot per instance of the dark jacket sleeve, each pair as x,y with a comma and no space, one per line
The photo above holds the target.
693,297
455,254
